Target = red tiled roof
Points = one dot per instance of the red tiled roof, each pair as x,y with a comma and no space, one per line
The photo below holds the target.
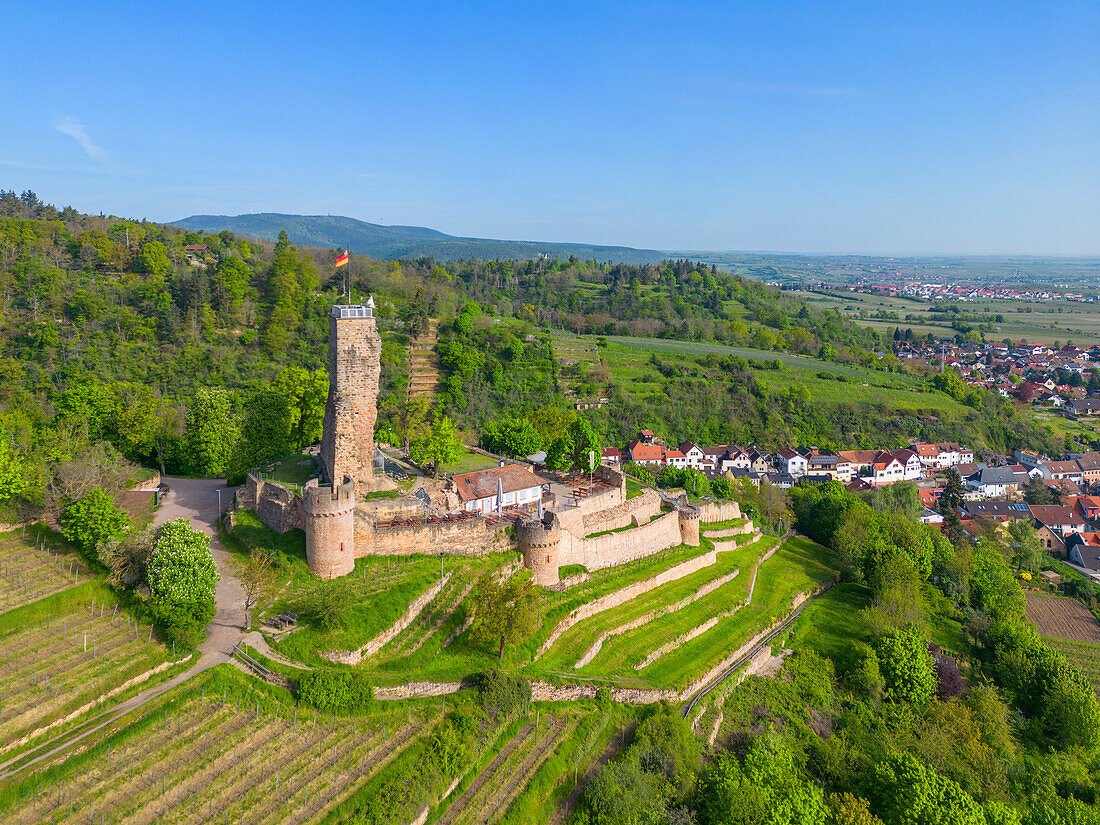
484,483
647,452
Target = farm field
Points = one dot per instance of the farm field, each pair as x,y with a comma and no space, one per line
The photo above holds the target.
210,755
60,654
1039,321
30,569
1062,618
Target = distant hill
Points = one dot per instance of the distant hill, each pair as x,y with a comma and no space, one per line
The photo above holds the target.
404,242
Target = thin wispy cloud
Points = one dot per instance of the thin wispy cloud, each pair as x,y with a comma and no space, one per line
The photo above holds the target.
75,129
18,164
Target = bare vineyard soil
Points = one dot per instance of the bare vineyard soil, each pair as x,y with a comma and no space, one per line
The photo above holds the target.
1062,618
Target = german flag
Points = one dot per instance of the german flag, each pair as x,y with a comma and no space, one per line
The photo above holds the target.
342,259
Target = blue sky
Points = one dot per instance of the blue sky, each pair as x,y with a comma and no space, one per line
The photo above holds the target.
802,127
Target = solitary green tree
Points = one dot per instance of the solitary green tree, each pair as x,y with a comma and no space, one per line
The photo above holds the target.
436,444
505,612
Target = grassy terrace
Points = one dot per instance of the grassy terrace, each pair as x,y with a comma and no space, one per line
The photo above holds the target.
468,462
799,566
621,653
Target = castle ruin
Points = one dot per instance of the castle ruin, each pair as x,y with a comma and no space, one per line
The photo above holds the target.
586,520
346,458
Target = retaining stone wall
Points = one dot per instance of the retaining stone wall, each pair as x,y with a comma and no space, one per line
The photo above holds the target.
627,593
729,532
149,485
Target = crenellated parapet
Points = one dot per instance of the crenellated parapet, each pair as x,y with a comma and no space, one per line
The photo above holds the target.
540,543
330,527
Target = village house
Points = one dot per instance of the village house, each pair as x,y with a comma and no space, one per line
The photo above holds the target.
676,458
992,482
1058,518
695,456
791,462
1083,549
650,455
1059,470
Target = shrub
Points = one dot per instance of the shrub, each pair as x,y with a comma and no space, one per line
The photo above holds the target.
92,519
950,682
502,695
335,691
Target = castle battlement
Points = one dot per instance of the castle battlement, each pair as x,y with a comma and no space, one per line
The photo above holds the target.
329,516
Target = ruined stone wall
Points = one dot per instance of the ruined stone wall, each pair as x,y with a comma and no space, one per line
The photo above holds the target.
354,367
638,510
723,511
277,507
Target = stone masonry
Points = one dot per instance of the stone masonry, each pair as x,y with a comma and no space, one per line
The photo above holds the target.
354,367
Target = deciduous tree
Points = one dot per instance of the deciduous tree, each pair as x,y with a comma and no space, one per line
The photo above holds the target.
506,612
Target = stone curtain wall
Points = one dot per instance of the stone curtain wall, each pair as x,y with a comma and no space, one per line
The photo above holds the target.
474,537
626,545
637,510
710,511
354,367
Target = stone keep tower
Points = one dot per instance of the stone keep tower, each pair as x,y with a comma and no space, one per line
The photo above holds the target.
354,366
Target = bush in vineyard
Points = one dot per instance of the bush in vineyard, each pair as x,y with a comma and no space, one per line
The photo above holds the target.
182,576
335,691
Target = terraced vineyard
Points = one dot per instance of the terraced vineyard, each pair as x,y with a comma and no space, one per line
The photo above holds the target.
52,664
33,566
205,759
1085,656
434,615
567,652
424,363
673,634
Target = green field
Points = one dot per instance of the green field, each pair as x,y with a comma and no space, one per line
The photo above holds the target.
1043,322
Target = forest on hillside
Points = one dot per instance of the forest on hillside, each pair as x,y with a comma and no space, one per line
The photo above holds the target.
135,341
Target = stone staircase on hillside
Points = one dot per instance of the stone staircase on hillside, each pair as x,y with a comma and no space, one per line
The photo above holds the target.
424,363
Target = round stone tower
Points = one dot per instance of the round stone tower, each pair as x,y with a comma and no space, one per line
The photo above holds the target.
689,526
539,542
330,528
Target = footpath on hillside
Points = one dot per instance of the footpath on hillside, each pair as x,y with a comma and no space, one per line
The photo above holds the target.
196,500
